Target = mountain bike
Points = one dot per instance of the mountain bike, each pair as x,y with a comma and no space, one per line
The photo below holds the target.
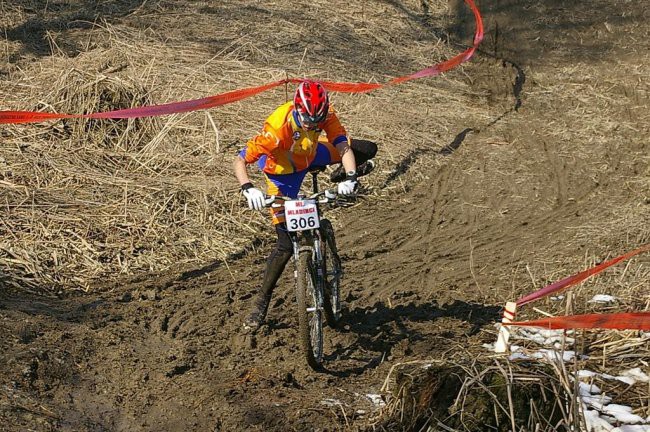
318,269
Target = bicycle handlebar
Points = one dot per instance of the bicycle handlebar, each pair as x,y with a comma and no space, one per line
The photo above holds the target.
329,195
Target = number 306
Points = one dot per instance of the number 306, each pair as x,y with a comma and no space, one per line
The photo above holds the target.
303,223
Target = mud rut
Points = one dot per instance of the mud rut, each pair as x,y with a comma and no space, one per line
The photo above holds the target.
426,270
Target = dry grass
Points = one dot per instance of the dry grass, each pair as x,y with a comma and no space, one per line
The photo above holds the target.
525,395
480,392
85,199
417,398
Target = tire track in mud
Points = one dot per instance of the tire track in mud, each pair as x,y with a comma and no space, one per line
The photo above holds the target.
559,173
439,252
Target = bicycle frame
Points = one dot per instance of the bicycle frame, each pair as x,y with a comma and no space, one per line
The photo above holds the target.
312,240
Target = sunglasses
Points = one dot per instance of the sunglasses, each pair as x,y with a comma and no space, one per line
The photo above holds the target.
308,122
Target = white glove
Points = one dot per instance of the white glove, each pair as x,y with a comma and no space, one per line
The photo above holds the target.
347,187
254,196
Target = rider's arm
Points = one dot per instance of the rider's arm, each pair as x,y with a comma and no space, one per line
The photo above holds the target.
254,196
239,166
261,144
337,135
347,157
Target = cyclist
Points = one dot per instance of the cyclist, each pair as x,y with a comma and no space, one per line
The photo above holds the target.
290,144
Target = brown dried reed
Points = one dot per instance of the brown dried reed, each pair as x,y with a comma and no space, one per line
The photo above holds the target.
83,199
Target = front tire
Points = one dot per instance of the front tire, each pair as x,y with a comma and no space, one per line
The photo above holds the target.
310,314
332,272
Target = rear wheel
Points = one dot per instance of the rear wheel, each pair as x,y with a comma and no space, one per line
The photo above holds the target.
310,315
333,272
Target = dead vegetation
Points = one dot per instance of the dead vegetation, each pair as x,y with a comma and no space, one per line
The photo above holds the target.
476,394
532,390
91,198
491,391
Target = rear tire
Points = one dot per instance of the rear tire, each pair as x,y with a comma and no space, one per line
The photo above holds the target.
310,316
333,272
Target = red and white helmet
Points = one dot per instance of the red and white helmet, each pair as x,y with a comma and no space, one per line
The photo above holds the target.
311,103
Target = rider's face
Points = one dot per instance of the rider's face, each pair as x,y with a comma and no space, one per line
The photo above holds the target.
306,123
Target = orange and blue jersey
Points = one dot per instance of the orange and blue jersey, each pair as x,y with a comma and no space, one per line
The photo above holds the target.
284,147
284,151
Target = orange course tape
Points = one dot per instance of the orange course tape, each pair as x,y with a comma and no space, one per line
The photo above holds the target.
617,321
573,280
236,95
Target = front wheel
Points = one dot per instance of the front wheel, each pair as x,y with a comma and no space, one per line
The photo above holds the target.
310,314
333,272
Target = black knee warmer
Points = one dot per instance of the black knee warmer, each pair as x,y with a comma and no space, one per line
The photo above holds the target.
363,150
278,259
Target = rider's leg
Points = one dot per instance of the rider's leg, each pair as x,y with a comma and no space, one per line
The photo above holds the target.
275,265
286,185
326,154
364,151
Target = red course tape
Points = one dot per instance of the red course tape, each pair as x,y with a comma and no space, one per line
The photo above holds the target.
573,280
236,95
617,321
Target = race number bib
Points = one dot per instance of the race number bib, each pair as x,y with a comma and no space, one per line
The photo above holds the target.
301,215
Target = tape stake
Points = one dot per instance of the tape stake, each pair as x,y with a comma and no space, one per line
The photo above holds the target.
501,345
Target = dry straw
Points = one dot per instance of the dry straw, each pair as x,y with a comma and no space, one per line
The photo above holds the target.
86,199
418,399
